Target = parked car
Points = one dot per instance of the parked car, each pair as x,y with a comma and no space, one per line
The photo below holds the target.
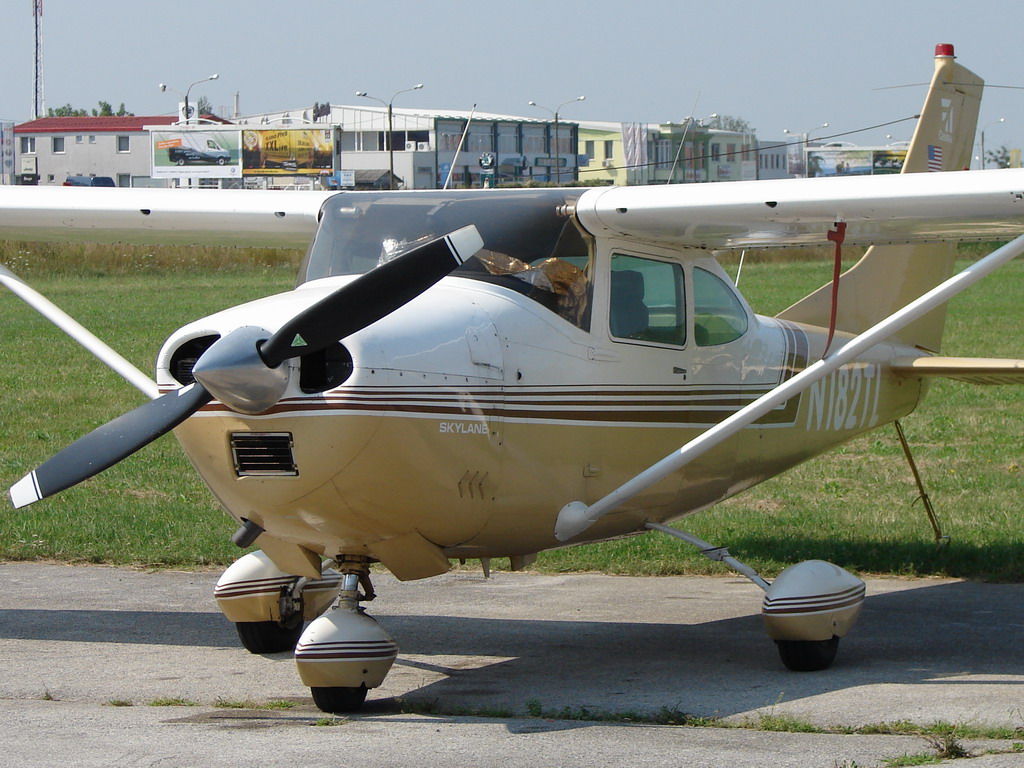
89,181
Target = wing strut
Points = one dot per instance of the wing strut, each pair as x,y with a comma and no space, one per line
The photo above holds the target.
576,517
75,330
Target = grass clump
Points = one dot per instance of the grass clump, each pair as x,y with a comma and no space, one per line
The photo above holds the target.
172,702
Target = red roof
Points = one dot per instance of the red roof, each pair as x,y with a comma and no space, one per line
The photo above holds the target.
130,124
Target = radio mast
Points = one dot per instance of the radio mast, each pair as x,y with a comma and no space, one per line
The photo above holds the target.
38,107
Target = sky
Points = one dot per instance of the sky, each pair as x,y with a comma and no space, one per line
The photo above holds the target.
792,65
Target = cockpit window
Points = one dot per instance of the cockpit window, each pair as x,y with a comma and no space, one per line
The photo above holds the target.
647,300
718,315
530,244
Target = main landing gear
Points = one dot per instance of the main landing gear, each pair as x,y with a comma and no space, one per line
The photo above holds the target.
341,654
806,609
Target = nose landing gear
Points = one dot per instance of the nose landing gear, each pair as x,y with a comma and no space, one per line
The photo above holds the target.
345,652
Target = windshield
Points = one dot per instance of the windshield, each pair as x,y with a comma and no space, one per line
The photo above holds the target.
531,245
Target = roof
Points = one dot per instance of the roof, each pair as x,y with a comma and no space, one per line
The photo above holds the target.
131,123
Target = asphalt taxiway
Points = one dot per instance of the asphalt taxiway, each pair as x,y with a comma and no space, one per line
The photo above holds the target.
111,666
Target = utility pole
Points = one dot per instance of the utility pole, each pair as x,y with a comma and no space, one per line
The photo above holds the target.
38,108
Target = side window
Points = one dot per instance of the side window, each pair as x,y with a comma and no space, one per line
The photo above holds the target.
718,316
647,300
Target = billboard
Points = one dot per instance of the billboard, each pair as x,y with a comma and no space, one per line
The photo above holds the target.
6,152
288,152
210,154
859,161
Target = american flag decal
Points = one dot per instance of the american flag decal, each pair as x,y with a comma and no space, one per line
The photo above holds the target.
934,158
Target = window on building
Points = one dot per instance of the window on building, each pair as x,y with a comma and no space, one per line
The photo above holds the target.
79,139
57,145
609,149
124,144
647,300
28,145
533,140
565,143
663,154
589,150
92,139
479,142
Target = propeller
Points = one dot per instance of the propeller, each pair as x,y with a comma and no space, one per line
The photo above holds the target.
243,369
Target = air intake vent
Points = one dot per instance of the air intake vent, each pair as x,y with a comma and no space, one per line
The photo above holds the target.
263,454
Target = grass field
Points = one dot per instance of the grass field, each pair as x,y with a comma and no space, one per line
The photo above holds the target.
855,507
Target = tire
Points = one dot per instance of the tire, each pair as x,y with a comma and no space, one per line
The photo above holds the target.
808,655
335,700
269,636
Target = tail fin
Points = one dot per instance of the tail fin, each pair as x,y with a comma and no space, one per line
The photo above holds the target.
890,276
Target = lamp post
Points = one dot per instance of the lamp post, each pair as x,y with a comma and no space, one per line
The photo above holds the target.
164,87
994,122
391,138
554,113
806,140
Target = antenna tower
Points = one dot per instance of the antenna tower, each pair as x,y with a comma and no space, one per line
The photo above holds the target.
37,100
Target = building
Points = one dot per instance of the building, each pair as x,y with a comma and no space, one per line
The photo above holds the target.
51,149
662,153
428,149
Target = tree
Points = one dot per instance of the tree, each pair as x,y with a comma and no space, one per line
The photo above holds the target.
103,109
66,111
203,107
1000,158
729,123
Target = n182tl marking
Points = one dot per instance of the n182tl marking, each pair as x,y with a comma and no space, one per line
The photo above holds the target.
847,399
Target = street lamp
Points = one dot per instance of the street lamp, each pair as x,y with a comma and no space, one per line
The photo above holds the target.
391,138
994,122
806,141
554,113
806,134
164,87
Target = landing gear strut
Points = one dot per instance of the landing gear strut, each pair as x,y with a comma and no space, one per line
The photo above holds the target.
344,653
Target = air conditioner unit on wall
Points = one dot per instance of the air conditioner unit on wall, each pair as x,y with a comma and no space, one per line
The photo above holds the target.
422,146
410,146
608,163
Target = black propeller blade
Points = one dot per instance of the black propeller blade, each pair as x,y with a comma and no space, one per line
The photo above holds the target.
104,447
349,309
370,297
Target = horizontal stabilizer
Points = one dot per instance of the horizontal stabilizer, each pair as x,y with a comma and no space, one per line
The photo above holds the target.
973,370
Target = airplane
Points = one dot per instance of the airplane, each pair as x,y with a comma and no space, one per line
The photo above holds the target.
494,373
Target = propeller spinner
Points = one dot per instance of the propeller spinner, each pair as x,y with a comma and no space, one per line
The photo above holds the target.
243,370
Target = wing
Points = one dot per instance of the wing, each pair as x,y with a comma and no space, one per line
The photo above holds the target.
160,216
898,208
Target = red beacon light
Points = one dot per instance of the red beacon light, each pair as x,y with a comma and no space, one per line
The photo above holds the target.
944,49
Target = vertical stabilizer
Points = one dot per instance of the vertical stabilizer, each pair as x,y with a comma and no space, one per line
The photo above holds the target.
890,276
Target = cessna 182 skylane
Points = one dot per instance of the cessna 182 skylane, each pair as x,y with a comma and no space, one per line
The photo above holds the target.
487,373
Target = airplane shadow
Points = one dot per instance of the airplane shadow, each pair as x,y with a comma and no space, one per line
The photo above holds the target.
922,636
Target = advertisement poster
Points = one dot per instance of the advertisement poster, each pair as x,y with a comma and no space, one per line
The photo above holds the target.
206,154
6,153
888,160
288,151
846,161
839,162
